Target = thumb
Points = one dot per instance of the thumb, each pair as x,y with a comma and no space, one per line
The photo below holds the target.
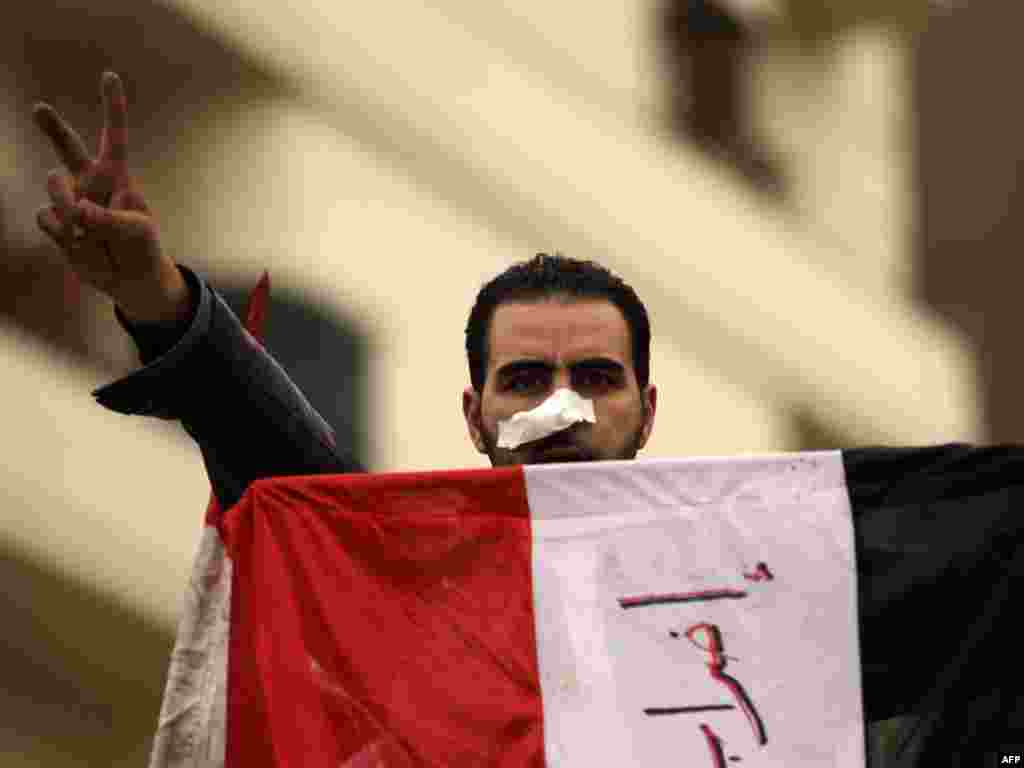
113,224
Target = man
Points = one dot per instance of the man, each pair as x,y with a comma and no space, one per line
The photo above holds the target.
544,326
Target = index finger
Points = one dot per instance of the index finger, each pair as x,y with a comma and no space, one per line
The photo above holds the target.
114,140
69,145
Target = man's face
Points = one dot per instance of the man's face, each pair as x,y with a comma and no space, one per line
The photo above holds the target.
540,346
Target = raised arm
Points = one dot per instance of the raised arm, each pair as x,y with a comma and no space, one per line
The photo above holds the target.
200,366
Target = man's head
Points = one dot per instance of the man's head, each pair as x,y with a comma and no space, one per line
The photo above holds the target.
556,322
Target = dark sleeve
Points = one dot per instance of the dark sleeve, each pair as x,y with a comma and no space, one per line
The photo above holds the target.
231,396
940,572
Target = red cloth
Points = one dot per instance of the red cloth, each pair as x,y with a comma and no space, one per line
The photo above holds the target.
411,644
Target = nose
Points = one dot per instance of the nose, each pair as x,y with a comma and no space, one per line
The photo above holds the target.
562,379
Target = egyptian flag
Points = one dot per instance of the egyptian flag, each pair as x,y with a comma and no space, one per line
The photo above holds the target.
665,612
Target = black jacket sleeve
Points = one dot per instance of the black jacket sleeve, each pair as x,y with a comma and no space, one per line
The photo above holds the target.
247,416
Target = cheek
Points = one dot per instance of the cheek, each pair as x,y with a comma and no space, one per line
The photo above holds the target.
492,411
615,414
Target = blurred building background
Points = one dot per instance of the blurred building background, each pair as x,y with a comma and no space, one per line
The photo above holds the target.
816,200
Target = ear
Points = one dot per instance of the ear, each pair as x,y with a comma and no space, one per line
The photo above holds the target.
651,398
472,411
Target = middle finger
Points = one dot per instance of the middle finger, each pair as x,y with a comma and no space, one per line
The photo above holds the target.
113,140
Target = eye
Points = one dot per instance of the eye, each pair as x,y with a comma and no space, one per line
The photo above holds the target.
526,381
595,377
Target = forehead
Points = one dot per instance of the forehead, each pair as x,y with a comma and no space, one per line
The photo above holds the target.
556,329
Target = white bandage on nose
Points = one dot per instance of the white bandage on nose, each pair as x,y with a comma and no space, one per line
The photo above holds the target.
560,411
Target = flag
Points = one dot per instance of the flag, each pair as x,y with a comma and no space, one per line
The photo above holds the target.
645,613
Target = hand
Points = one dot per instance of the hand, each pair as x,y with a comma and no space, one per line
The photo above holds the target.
100,221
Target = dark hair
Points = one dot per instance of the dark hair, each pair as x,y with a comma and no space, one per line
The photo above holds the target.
546,276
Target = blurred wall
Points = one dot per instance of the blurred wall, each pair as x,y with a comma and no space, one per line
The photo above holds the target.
967,128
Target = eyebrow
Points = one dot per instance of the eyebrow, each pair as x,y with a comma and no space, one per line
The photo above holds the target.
591,363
